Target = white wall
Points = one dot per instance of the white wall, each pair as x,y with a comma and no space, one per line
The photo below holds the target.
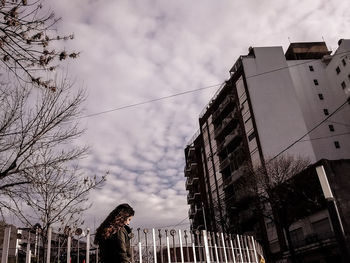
275,106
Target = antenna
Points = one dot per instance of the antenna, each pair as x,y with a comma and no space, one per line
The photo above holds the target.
289,40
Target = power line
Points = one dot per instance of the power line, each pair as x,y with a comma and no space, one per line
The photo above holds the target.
149,101
325,137
195,90
315,127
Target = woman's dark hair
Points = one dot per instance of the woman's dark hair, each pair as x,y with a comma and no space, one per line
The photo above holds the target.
114,221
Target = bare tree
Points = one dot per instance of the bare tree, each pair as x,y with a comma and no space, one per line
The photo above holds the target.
57,195
279,196
37,151
26,41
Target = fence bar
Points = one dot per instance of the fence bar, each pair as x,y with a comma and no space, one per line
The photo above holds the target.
154,245
239,248
49,235
233,252
28,255
68,247
247,246
206,246
87,246
181,248
194,254
6,244
254,248
216,252
140,252
168,248
224,246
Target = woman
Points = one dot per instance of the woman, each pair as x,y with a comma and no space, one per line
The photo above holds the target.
113,236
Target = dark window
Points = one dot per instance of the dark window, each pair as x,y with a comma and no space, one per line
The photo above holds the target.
337,70
349,76
331,127
343,61
343,85
336,144
316,82
325,111
311,68
251,136
297,235
321,96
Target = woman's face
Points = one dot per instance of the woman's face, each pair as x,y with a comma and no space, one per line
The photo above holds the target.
127,221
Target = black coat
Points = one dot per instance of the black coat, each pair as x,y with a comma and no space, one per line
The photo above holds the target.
116,249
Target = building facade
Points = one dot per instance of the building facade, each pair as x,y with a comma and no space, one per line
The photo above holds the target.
274,103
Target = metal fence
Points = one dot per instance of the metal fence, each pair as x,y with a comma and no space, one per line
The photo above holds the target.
148,246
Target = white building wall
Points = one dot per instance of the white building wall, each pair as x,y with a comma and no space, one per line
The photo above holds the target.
275,105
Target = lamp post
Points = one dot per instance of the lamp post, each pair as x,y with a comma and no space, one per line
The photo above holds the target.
333,214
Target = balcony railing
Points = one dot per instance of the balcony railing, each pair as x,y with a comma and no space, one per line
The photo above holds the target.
236,132
222,106
224,123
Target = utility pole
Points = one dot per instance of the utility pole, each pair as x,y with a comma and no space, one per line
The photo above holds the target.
334,214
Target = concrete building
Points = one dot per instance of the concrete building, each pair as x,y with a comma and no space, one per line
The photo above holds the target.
274,103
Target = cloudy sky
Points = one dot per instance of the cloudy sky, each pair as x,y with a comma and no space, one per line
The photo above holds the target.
136,51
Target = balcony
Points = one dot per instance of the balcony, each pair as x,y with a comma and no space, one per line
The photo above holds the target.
189,183
190,198
191,212
232,115
190,168
229,138
222,106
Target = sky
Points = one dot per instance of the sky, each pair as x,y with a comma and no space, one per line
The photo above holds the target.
136,51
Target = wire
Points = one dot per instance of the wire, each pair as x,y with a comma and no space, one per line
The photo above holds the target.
315,127
178,224
195,90
325,137
149,101
340,123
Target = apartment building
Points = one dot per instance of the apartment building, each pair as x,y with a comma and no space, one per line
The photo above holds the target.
274,103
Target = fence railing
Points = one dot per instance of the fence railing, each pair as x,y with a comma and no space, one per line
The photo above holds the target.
148,246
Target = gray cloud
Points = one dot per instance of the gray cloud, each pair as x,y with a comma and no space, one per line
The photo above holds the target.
133,51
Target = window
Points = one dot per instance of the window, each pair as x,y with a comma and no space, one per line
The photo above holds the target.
336,144
251,136
325,111
337,70
343,85
331,127
321,226
320,95
349,76
297,235
316,82
344,62
311,68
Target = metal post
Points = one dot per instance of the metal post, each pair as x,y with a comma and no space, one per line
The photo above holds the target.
6,244
88,245
233,251
28,254
68,247
97,255
140,252
194,254
181,249
216,252
239,248
333,214
224,247
168,249
154,245
247,247
206,246
78,249
48,253
254,248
